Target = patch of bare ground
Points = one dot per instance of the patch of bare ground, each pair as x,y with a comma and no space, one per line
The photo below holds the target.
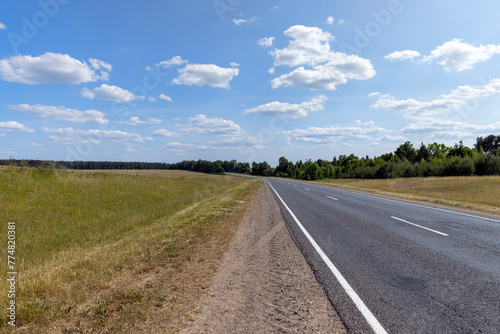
264,284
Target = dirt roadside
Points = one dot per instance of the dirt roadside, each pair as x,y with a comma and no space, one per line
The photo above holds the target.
264,284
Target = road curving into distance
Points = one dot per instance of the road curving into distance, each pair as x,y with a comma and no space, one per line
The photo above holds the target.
391,266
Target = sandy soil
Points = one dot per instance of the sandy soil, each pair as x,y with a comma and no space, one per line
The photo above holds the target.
264,284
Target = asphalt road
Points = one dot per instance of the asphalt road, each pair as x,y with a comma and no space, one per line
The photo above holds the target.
414,268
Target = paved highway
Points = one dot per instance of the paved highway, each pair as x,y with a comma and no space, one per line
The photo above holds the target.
391,266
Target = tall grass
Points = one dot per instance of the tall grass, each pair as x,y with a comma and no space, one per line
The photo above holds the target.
474,192
74,228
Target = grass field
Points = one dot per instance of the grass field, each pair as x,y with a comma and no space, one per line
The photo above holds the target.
88,243
472,193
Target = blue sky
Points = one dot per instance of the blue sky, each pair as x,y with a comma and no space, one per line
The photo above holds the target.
247,80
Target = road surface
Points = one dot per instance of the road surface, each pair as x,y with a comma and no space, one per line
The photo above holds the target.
390,266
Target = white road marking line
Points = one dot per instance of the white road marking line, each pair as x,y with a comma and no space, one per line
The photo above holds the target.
425,228
419,205
308,189
332,198
367,314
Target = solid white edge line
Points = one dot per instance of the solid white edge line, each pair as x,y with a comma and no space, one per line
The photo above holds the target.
367,314
419,205
332,198
425,228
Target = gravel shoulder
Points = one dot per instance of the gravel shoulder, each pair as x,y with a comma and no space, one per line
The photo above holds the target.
264,284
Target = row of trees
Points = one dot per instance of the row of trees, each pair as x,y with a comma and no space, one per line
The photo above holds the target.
406,161
202,166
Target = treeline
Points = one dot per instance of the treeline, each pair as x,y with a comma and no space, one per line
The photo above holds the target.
202,166
406,161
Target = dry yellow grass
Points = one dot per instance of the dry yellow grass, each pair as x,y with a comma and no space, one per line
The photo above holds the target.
473,193
88,241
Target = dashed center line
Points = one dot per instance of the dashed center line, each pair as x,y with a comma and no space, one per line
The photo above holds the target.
308,189
332,198
425,228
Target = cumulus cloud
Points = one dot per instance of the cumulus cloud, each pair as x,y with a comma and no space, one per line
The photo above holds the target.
164,133
175,61
62,113
445,103
165,97
290,110
110,93
454,55
52,68
412,107
14,126
322,135
2,26
458,56
136,121
470,92
393,138
72,136
439,128
330,20
205,75
309,46
203,125
234,143
266,41
402,55
318,67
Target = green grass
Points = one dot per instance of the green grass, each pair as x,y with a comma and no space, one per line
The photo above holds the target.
77,230
474,193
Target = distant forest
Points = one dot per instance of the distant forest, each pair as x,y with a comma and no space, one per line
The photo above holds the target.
406,161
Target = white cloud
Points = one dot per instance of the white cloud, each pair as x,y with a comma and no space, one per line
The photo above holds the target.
14,126
165,97
439,128
321,135
469,92
242,21
266,41
341,22
152,99
402,55
445,103
175,61
51,68
413,107
98,64
205,74
310,47
337,71
330,20
234,143
2,26
72,136
393,138
203,125
287,109
164,133
62,113
457,55
271,70
110,93
136,121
